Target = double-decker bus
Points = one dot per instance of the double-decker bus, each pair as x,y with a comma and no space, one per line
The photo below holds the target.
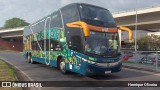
79,37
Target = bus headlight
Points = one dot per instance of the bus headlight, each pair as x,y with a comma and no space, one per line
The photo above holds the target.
91,62
85,60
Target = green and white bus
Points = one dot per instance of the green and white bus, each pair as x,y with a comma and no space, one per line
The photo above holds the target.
79,37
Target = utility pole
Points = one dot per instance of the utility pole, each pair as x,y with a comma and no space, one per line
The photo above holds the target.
135,33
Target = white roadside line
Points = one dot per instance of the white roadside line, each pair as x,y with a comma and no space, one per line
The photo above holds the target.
148,72
157,74
138,70
21,72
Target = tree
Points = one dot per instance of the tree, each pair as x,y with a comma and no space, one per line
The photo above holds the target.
15,22
149,43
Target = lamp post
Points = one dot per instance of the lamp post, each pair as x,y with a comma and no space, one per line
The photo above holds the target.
135,33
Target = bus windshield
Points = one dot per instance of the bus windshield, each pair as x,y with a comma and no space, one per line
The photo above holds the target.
100,43
100,16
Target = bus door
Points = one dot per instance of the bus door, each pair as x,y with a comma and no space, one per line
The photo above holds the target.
73,35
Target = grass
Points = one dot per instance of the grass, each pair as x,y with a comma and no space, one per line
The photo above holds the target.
7,73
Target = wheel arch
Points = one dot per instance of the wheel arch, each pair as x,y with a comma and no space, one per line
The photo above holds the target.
58,60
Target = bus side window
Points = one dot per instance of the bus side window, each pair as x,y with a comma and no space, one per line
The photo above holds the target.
33,45
56,20
40,45
56,45
76,43
52,45
45,44
70,13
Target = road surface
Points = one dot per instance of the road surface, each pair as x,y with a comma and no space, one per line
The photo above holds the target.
40,72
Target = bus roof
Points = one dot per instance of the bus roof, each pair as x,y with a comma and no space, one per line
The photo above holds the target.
65,7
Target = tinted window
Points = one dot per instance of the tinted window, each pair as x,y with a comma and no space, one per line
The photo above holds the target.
45,45
96,16
56,45
56,20
76,44
40,26
70,13
35,28
35,45
74,40
95,13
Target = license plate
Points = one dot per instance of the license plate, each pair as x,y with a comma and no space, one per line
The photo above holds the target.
107,72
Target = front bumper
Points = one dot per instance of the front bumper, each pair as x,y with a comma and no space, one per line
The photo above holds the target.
101,68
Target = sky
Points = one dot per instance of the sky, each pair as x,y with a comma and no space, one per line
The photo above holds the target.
33,10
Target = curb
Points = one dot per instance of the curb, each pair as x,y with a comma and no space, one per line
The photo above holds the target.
15,72
19,75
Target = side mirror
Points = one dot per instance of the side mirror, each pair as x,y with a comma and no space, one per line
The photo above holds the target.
130,34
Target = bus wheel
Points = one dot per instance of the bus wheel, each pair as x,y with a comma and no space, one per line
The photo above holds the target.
29,59
32,60
63,66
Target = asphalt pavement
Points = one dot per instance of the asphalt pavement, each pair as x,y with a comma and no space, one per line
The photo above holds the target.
40,72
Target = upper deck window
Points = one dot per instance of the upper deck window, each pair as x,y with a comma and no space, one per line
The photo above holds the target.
56,20
96,14
70,13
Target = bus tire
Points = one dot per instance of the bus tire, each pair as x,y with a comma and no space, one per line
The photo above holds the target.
29,58
26,56
62,66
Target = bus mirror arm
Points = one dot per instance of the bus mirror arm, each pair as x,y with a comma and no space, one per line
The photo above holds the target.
130,34
86,28
80,24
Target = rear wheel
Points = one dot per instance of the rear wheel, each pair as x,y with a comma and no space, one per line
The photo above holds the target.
29,59
33,62
63,66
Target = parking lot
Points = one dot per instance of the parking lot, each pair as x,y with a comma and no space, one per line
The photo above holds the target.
147,59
